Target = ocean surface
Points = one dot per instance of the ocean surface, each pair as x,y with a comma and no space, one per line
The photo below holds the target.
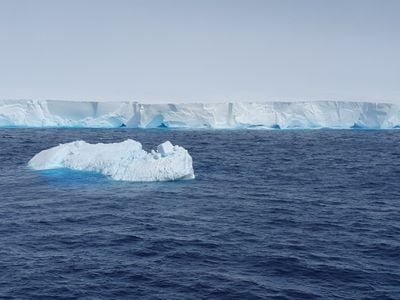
302,214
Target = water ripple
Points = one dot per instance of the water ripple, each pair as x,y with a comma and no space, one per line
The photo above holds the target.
271,215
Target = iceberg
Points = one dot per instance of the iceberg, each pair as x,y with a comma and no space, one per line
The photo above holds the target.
230,115
125,161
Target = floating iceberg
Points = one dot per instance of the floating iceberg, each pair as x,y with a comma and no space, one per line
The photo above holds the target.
120,161
269,115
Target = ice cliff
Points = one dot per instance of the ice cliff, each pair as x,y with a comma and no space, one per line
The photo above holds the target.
282,115
125,161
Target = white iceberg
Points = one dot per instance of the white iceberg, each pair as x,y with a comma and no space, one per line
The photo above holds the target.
125,161
268,115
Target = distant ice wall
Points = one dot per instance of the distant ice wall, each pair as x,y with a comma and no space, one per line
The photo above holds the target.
283,115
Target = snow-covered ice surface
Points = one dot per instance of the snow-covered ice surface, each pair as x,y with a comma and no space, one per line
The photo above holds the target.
268,115
125,161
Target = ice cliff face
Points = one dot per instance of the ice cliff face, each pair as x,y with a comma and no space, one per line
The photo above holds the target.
125,161
283,115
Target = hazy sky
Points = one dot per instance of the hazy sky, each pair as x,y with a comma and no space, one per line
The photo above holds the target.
200,50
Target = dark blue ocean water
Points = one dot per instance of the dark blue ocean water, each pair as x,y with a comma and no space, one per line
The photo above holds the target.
271,215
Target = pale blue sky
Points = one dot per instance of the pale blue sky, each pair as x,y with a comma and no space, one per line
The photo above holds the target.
203,50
